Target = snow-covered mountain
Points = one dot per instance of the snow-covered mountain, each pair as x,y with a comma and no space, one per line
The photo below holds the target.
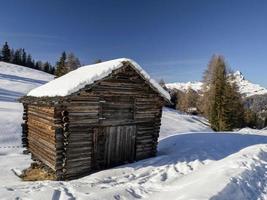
246,87
196,86
190,155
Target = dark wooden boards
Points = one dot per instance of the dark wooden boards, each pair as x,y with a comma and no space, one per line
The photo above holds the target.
112,121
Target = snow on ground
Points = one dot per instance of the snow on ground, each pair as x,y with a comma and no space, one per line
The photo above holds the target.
253,131
192,163
15,81
174,122
188,166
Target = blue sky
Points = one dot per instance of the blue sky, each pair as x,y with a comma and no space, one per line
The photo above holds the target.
173,40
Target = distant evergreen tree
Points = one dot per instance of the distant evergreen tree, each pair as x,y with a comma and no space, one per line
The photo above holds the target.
17,57
38,65
233,107
188,100
61,68
20,57
52,70
46,67
98,61
33,64
265,122
6,53
250,118
12,52
29,61
72,62
173,94
222,103
23,58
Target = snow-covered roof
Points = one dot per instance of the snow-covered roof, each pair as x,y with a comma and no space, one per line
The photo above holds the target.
77,79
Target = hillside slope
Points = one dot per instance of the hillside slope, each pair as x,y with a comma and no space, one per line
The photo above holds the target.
15,81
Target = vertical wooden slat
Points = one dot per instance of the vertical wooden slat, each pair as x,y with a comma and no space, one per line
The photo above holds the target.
119,145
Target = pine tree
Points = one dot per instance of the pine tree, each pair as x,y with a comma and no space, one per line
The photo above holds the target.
222,102
250,118
6,54
33,64
46,67
72,62
217,89
265,122
17,57
38,65
23,58
61,68
20,57
234,106
52,70
188,101
12,52
29,62
98,61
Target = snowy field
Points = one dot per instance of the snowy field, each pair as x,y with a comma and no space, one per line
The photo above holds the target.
192,163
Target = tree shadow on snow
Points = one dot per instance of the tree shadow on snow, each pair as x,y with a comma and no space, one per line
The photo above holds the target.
9,96
199,146
15,78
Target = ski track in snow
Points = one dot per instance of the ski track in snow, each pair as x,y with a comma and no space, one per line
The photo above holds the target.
192,162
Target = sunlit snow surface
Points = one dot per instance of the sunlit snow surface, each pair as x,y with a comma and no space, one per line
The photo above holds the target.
77,79
192,163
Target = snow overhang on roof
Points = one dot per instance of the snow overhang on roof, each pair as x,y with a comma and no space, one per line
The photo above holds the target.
79,78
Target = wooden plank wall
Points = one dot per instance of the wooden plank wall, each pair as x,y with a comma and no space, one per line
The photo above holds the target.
24,126
148,114
41,133
82,115
125,98
63,136
120,144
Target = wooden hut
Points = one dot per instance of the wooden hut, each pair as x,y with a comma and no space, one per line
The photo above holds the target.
92,118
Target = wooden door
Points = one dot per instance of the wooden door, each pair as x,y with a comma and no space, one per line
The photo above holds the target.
114,145
120,144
